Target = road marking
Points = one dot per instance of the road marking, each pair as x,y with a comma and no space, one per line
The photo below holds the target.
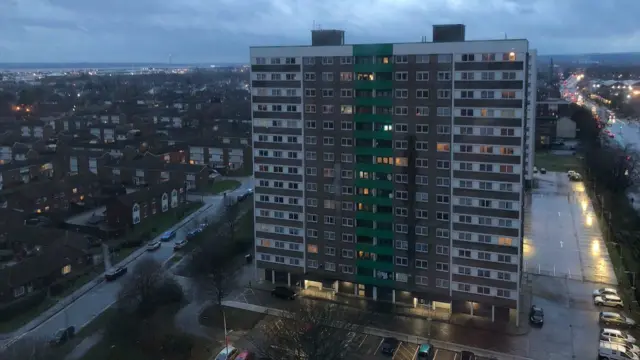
455,356
415,354
362,342
378,347
395,353
435,355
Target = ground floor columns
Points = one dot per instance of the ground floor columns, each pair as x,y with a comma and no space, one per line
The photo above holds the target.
375,293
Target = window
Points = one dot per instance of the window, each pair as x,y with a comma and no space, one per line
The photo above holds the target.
444,94
346,60
401,93
422,94
443,147
506,169
509,75
402,178
442,181
402,195
346,125
312,233
310,109
486,75
347,253
483,273
443,111
463,270
328,140
422,214
327,76
422,264
348,238
467,75
422,111
402,261
346,93
503,293
444,58
331,251
346,109
504,276
422,197
483,290
401,76
327,93
313,264
505,241
487,94
401,59
466,112
482,255
275,61
422,230
507,132
329,266
504,258
402,244
346,76
443,129
401,110
464,287
511,56
309,76
468,57
442,233
422,59
402,228
346,142
401,127
441,215
327,125
442,199
422,280
423,129
400,211
347,269
508,94
422,247
423,163
327,60
466,94
444,76
422,145
442,164
422,76
346,158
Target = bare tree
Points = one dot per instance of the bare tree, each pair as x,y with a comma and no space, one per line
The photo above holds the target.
312,330
232,212
31,349
147,288
212,266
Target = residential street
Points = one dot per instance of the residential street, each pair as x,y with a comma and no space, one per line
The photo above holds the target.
89,305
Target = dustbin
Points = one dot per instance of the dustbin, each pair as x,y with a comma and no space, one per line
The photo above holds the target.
248,258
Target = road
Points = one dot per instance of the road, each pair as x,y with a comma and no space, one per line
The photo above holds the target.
83,310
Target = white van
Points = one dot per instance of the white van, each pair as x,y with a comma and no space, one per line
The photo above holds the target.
615,351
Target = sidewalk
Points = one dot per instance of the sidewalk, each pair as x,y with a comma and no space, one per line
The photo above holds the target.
405,310
63,303
384,333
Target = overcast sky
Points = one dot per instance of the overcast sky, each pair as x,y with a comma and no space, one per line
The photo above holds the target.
222,30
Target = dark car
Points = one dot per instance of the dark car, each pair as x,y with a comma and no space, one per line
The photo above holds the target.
114,274
245,194
283,292
62,336
193,233
536,315
389,346
467,355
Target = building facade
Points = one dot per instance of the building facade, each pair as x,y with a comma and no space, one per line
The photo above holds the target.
393,171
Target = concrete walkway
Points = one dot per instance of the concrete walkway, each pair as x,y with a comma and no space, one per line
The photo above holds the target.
85,345
385,333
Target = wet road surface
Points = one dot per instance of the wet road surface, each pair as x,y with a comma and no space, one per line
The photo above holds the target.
562,234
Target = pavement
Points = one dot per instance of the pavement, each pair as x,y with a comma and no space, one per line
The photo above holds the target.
562,237
84,305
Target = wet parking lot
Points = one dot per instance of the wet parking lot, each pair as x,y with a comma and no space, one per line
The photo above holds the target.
562,234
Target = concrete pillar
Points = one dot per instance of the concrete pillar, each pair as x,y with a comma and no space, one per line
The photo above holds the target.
415,302
273,276
289,279
335,286
471,302
375,293
493,313
304,284
393,296
355,289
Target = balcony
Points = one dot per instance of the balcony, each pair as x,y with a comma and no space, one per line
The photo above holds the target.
375,249
379,135
372,68
383,168
370,280
374,151
375,184
379,118
373,84
374,101
377,216
378,265
363,231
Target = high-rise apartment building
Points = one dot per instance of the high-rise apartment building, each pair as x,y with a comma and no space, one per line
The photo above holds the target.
394,171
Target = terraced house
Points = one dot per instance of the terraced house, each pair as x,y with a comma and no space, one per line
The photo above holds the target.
395,171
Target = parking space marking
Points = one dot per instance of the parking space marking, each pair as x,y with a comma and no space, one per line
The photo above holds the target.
378,347
362,342
435,355
415,354
395,353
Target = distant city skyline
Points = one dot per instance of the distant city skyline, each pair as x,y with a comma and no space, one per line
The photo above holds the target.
221,31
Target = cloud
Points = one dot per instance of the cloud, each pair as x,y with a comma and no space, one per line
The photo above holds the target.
223,30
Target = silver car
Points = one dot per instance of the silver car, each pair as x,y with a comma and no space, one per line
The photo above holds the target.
605,291
609,300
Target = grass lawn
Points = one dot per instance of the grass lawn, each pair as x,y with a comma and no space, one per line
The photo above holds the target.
560,163
220,186
237,319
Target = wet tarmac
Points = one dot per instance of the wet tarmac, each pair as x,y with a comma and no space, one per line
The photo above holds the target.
562,235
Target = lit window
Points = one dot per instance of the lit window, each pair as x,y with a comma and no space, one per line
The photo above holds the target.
312,249
512,56
75,190
402,161
505,241
443,147
66,270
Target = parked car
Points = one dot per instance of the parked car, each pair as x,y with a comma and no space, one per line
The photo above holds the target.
168,235
245,194
389,345
467,355
609,334
615,351
62,336
283,292
605,291
609,300
154,245
536,315
425,351
629,347
227,353
191,234
180,244
113,274
612,318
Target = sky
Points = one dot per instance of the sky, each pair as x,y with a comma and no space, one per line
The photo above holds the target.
216,31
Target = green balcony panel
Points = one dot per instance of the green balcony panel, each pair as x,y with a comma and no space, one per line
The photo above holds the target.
363,231
379,118
373,49
378,265
375,184
379,135
372,68
375,249
374,200
372,85
383,168
367,215
374,101
370,280
374,151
